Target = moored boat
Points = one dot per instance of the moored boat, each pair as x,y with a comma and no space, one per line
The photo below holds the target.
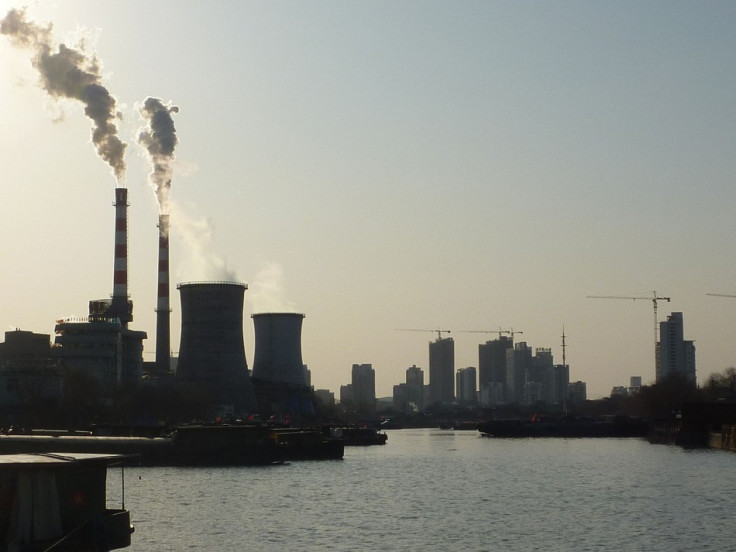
191,445
359,436
57,502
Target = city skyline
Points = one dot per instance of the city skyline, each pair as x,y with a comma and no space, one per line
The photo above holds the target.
467,166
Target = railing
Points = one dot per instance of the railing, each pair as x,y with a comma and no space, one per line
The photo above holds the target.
214,282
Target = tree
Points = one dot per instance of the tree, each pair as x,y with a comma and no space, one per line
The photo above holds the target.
720,387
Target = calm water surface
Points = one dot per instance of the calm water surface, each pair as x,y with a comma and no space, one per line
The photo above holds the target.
436,490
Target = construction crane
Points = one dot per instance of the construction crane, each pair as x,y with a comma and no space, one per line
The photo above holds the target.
721,295
439,332
499,331
654,299
513,332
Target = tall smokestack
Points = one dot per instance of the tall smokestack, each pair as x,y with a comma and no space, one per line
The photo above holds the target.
120,307
163,310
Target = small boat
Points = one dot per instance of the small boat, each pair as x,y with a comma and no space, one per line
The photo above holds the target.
57,502
362,436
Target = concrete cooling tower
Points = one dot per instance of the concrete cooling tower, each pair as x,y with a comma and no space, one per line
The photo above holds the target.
211,351
278,348
279,376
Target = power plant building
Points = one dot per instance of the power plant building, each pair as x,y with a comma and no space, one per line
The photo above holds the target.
102,348
27,373
102,345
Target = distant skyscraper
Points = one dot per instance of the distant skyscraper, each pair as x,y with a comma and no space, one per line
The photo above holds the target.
538,385
466,386
492,360
364,386
674,354
577,393
442,371
415,388
561,384
518,362
414,375
325,396
346,394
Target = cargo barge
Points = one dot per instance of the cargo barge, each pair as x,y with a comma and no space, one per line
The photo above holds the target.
190,445
618,426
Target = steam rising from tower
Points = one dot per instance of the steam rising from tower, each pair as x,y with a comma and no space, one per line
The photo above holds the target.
74,74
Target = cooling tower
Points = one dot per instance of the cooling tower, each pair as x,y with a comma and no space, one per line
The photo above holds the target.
211,351
278,348
163,310
279,377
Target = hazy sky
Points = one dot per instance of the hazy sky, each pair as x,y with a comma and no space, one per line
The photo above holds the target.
395,164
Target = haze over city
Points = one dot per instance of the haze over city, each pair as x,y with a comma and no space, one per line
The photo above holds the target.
383,165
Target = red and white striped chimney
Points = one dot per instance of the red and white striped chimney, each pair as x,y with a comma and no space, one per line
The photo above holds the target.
163,310
119,306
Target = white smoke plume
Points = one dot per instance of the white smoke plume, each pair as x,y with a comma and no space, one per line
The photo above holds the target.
198,262
75,74
267,290
159,139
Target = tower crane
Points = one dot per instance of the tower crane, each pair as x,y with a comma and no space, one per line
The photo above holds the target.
439,332
499,331
721,295
654,299
513,332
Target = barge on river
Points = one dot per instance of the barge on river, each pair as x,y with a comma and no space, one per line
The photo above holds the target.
616,426
190,445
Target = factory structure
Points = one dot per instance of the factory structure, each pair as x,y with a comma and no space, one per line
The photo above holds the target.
211,375
210,378
102,345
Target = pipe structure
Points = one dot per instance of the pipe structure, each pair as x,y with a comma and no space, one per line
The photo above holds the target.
163,308
211,351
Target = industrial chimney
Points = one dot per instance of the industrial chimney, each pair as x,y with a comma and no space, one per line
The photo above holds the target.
211,351
163,309
279,376
119,306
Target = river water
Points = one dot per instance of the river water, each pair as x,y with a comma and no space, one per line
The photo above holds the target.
439,490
